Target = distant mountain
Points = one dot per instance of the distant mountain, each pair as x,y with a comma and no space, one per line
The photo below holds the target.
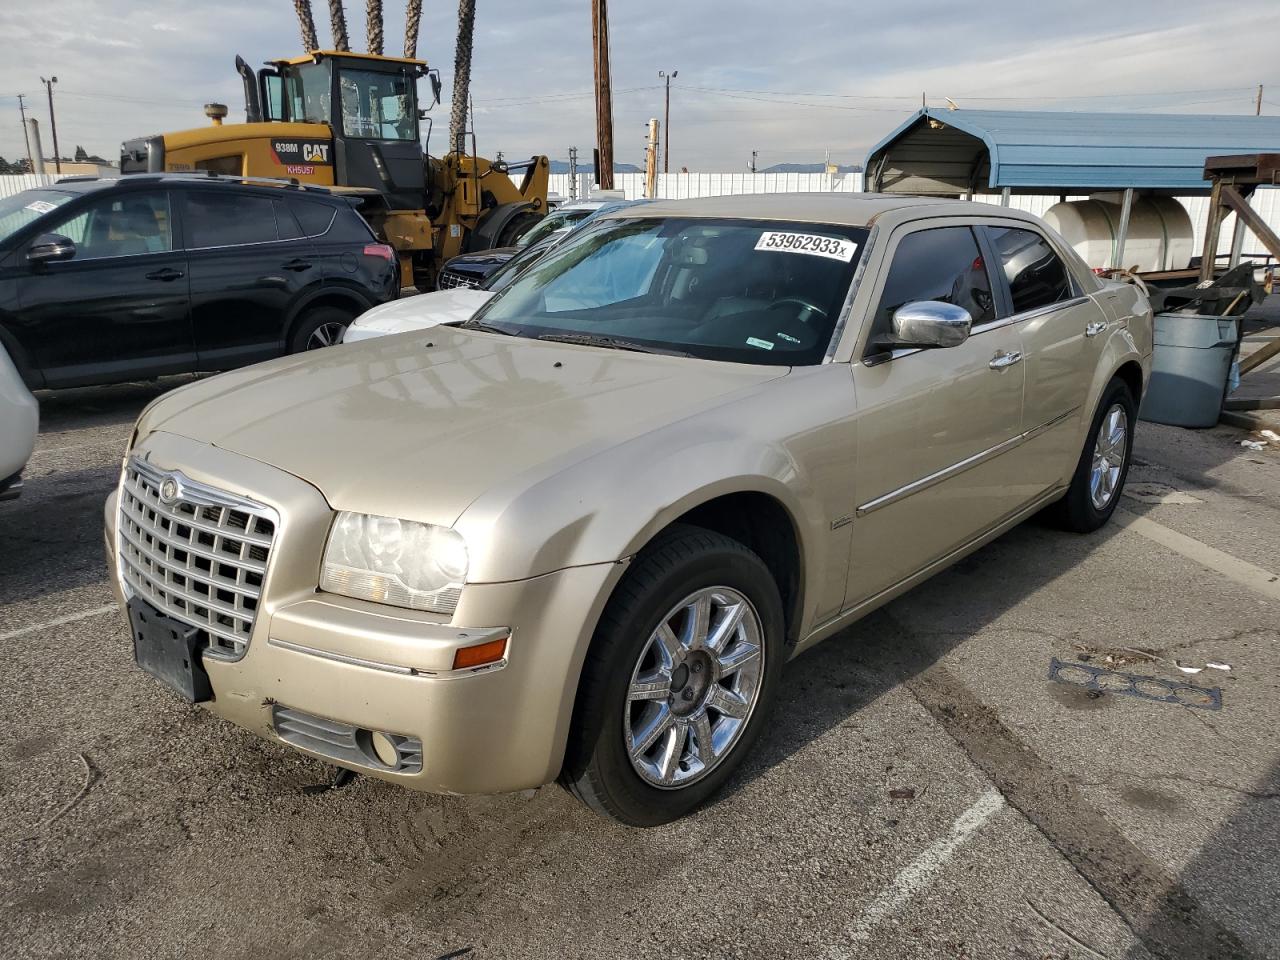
562,166
809,168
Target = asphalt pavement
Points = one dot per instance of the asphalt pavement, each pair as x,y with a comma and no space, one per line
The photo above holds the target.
1063,747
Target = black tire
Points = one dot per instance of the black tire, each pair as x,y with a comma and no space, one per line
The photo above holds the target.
681,561
1077,511
319,323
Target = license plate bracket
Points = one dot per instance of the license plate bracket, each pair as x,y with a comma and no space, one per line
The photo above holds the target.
169,650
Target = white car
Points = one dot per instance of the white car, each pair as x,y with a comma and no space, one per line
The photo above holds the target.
416,313
19,419
451,305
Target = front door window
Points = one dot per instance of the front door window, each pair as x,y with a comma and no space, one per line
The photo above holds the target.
121,226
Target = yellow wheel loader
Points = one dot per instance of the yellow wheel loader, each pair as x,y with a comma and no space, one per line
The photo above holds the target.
351,122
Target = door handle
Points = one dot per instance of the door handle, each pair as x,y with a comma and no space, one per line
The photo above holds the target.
1095,328
1002,360
296,264
167,274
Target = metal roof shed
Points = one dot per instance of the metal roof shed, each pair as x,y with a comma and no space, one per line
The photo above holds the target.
960,152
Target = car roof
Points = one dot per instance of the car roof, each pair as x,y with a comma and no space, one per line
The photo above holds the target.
84,185
848,209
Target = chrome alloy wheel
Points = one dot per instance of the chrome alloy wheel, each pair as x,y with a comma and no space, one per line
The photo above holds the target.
694,687
326,335
1108,456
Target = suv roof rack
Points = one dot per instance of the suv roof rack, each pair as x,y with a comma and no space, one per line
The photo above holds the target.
288,183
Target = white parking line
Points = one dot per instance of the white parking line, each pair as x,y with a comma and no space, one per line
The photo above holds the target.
920,871
58,621
1233,568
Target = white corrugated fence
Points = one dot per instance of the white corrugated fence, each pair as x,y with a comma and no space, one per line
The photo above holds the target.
678,186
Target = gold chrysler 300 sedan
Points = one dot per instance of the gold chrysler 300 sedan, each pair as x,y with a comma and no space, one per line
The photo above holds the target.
578,535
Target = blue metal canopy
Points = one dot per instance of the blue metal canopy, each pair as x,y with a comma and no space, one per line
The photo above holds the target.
950,152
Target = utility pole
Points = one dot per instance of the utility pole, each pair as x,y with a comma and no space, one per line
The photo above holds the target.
666,120
651,161
753,160
53,124
604,94
573,173
1257,112
22,110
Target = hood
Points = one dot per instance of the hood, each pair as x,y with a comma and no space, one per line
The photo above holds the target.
417,313
418,425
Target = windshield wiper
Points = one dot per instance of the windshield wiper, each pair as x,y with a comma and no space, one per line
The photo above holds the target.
612,343
482,327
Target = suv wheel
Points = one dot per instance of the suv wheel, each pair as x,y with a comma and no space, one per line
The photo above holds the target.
680,675
321,327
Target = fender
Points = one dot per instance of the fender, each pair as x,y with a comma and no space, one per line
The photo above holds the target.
328,291
1129,339
485,236
605,506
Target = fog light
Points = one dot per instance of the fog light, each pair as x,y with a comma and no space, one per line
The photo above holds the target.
385,748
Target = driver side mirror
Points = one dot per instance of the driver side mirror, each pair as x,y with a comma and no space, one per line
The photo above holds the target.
49,247
929,323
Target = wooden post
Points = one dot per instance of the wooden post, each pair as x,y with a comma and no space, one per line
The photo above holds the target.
1208,255
604,93
651,161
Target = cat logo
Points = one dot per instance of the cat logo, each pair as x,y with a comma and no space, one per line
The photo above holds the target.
315,152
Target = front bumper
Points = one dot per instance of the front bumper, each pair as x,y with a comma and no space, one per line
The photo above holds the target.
381,669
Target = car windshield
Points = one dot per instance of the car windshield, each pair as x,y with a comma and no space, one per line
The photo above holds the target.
501,278
552,223
738,290
23,208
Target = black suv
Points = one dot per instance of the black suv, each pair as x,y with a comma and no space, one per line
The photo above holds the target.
109,280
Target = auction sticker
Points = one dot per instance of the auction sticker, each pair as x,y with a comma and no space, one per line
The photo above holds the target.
834,248
41,206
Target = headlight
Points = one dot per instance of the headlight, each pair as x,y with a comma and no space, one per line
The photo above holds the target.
398,562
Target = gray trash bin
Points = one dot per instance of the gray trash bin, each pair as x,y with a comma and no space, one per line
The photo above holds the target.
1189,367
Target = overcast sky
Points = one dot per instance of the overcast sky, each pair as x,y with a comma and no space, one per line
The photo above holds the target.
787,79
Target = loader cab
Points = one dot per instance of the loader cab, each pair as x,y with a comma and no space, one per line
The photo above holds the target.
370,104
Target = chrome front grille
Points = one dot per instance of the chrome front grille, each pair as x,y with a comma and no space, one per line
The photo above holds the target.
448,279
195,553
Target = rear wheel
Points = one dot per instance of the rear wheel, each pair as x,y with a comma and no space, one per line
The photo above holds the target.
1104,463
682,670
321,327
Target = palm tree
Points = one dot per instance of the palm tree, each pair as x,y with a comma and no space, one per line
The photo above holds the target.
373,25
462,76
338,24
308,25
412,14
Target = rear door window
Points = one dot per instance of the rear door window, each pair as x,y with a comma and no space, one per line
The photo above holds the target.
1036,274
943,263
226,219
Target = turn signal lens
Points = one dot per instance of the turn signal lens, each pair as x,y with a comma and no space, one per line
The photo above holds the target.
491,652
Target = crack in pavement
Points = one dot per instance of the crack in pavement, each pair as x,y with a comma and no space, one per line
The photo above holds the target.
1178,777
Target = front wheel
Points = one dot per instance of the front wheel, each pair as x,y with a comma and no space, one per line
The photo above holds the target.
1104,462
682,670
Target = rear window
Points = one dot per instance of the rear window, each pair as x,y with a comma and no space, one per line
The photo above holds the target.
312,216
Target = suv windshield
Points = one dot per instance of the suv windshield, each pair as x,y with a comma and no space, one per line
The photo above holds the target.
738,290
23,208
552,223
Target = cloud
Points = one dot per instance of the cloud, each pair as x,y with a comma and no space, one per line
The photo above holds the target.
790,82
